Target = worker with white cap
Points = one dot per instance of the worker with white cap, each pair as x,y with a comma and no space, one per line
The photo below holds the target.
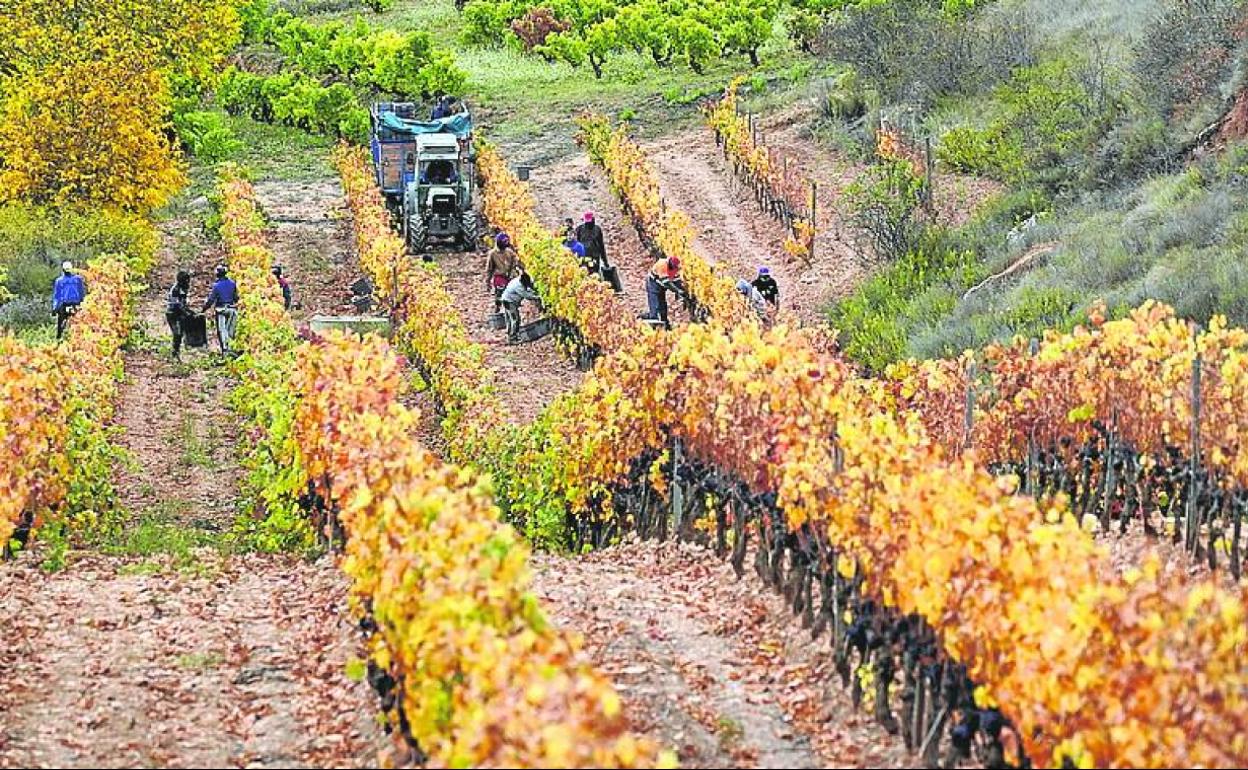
67,294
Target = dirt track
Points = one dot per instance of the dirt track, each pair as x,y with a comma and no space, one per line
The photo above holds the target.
167,649
709,664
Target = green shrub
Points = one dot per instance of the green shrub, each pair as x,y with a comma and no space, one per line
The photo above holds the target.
883,204
34,241
1036,308
989,152
295,100
1050,120
206,135
842,98
25,313
878,319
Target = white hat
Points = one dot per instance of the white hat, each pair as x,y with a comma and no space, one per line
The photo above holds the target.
67,265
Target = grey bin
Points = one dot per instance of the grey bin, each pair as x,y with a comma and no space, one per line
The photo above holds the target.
535,330
497,321
522,173
360,324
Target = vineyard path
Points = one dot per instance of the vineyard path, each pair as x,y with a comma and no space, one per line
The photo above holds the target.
706,663
710,665
161,645
569,187
528,375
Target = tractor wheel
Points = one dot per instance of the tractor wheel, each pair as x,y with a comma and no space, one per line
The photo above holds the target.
470,231
417,235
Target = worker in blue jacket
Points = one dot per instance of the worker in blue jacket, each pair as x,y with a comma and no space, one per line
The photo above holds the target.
68,292
224,298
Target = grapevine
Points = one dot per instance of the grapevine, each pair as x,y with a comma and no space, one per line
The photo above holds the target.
930,537
778,190
56,406
665,231
463,653
1104,414
568,292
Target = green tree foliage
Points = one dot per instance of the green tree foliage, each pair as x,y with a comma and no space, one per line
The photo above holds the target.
294,99
582,32
404,64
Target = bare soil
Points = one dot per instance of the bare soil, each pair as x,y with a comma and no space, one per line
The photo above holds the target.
310,235
161,645
530,374
569,188
710,665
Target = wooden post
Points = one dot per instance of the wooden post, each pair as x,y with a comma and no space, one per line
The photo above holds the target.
1194,459
1111,476
678,497
814,222
1032,460
968,418
394,286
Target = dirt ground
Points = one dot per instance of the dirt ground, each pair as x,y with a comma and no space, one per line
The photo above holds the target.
710,665
529,375
162,646
310,234
571,187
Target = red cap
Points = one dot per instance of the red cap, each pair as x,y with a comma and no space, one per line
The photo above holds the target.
589,216
673,263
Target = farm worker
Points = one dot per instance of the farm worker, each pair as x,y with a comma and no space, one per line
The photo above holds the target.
500,266
442,109
520,289
439,172
768,287
752,296
178,308
663,276
284,284
590,236
68,292
224,298
569,230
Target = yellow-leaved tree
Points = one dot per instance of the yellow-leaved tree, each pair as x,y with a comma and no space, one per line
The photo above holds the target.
84,96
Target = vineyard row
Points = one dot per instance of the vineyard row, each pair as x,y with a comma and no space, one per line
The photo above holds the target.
469,669
56,406
839,486
1138,419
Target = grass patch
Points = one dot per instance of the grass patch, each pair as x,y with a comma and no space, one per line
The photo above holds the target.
162,534
271,152
200,661
730,733
196,452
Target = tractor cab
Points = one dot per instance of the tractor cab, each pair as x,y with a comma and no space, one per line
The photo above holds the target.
424,169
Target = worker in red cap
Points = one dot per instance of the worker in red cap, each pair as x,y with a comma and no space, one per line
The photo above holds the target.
664,276
589,235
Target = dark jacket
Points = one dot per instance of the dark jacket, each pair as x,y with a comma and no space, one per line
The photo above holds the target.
178,304
590,236
768,287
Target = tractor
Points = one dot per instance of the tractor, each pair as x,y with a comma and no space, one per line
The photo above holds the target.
425,170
